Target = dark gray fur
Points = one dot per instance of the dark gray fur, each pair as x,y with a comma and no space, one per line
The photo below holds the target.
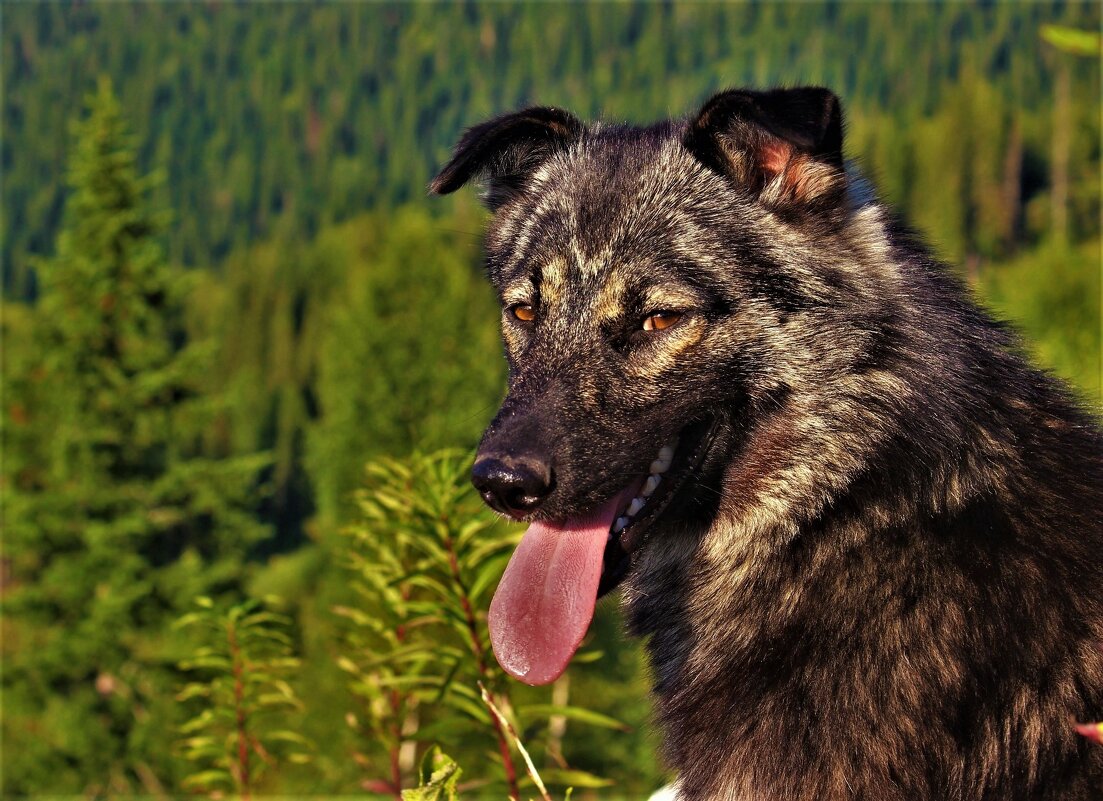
884,582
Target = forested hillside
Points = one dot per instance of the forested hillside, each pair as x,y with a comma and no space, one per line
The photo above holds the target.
306,114
204,348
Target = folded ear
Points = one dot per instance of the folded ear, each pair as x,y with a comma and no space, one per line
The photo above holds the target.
785,145
507,150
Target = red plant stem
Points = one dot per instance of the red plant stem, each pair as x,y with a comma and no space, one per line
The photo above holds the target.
507,759
484,674
239,709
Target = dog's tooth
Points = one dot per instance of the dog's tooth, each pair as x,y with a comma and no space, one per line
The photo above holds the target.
659,466
651,485
635,506
620,524
666,453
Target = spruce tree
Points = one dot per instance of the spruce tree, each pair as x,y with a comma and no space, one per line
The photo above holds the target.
114,519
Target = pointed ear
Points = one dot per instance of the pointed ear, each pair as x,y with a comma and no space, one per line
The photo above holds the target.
507,150
785,145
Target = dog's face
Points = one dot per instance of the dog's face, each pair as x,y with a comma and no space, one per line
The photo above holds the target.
642,293
602,267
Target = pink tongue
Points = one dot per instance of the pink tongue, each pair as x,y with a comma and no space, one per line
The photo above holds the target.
545,601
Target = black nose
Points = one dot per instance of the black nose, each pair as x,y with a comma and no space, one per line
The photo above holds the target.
512,486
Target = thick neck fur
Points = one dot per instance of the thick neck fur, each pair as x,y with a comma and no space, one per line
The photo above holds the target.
907,553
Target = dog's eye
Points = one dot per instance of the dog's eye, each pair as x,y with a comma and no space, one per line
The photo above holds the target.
523,312
660,320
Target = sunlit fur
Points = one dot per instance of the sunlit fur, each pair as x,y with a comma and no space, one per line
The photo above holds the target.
885,581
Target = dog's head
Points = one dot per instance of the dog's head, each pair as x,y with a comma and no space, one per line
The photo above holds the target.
644,275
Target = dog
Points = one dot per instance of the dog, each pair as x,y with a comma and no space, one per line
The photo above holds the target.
863,538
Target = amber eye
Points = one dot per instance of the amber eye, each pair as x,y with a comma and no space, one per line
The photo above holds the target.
523,312
660,320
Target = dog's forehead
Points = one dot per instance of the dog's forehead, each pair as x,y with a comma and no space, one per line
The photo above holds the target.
619,197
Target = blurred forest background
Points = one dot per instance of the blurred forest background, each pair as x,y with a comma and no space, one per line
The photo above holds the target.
226,292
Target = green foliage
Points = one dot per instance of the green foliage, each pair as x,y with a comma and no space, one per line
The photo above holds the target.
403,361
1074,41
245,699
1054,296
112,521
426,557
370,339
437,778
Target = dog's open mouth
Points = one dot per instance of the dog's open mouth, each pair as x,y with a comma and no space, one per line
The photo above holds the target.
545,600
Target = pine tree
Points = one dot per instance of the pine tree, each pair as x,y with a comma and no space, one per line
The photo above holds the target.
114,521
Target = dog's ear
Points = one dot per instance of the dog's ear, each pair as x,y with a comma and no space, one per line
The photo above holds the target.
506,151
785,145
